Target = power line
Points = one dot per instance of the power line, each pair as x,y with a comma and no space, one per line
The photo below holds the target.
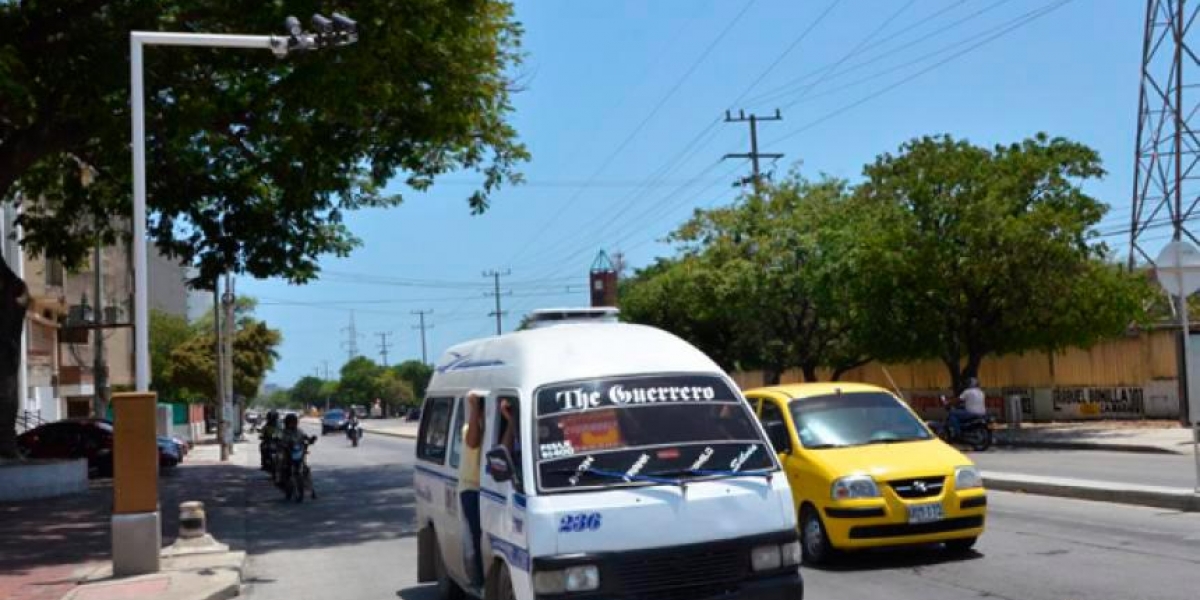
639,127
795,43
1025,19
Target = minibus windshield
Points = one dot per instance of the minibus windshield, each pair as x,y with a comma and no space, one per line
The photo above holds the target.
643,430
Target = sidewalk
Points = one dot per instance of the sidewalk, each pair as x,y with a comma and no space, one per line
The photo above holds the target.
50,547
1161,437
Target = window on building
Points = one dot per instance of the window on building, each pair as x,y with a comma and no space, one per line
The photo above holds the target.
54,273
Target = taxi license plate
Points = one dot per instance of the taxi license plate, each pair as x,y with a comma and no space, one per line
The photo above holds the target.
924,513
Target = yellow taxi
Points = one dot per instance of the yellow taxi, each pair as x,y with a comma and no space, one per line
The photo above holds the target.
866,472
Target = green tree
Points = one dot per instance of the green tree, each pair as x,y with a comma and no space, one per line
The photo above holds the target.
417,374
359,383
393,391
253,161
193,366
167,332
278,399
761,283
307,392
963,251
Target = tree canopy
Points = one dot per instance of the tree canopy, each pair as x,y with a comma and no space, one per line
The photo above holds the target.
191,372
252,161
964,251
761,283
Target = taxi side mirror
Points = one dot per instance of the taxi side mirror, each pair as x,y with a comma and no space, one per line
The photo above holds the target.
499,464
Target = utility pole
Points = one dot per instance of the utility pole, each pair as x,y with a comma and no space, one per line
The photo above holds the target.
99,368
351,343
219,363
499,314
325,364
228,300
384,345
423,327
754,154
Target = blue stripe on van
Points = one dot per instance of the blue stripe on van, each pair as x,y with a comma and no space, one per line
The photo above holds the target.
519,500
433,473
517,556
494,496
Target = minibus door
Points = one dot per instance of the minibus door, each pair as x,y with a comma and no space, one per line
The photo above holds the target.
502,503
455,534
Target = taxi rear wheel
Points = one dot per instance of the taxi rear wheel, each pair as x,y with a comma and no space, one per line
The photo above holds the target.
814,540
960,546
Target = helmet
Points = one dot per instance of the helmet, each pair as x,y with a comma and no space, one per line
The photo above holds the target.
291,420
972,382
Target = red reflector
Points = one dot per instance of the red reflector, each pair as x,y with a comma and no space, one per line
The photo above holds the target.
668,454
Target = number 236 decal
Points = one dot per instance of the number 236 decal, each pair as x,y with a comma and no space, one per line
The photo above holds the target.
579,522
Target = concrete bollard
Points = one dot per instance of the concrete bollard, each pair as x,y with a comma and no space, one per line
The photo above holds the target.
192,520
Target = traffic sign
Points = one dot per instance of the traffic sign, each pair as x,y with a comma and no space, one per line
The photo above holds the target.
1178,268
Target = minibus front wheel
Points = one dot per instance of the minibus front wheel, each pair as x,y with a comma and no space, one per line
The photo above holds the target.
502,589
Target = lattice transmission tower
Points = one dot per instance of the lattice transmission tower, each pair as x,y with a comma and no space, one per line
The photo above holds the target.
1165,188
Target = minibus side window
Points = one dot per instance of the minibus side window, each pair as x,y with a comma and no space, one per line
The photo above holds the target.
435,429
456,438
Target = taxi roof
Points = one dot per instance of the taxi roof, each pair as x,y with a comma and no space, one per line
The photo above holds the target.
800,391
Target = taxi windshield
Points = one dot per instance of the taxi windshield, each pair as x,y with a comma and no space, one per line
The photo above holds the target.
644,430
854,419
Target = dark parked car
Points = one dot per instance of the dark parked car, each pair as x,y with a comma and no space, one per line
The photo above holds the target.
414,414
333,420
170,453
76,438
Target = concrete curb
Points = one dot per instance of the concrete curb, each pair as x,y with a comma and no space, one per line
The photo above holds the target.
1069,445
212,576
1102,491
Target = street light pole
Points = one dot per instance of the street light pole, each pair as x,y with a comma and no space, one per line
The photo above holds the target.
136,533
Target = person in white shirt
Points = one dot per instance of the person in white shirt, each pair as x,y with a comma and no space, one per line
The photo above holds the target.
973,405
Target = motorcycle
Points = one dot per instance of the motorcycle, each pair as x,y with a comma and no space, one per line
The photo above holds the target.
975,431
296,477
269,455
354,431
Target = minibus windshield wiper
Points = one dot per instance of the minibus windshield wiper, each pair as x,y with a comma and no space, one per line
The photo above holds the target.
715,474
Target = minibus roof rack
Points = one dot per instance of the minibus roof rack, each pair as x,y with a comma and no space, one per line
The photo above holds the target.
545,317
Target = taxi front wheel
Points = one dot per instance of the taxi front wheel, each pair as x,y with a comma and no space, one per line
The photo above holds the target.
814,540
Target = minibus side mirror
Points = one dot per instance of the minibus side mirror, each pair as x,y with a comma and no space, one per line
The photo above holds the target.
499,464
778,434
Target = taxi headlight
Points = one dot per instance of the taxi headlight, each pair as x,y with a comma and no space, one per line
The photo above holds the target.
766,558
582,578
854,486
966,478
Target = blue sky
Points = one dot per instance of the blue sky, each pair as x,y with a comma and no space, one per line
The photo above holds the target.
622,113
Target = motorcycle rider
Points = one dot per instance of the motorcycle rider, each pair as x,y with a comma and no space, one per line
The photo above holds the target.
973,405
289,437
352,424
268,435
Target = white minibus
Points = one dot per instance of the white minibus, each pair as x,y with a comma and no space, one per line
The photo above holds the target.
636,470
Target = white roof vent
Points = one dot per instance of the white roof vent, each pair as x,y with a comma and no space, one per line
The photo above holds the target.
546,317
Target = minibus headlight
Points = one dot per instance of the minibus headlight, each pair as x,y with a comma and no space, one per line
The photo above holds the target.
582,578
967,477
854,486
766,558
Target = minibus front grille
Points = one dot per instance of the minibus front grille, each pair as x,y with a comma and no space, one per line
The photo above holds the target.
681,574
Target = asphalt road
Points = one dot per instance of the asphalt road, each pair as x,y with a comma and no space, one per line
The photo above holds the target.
1168,470
356,543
